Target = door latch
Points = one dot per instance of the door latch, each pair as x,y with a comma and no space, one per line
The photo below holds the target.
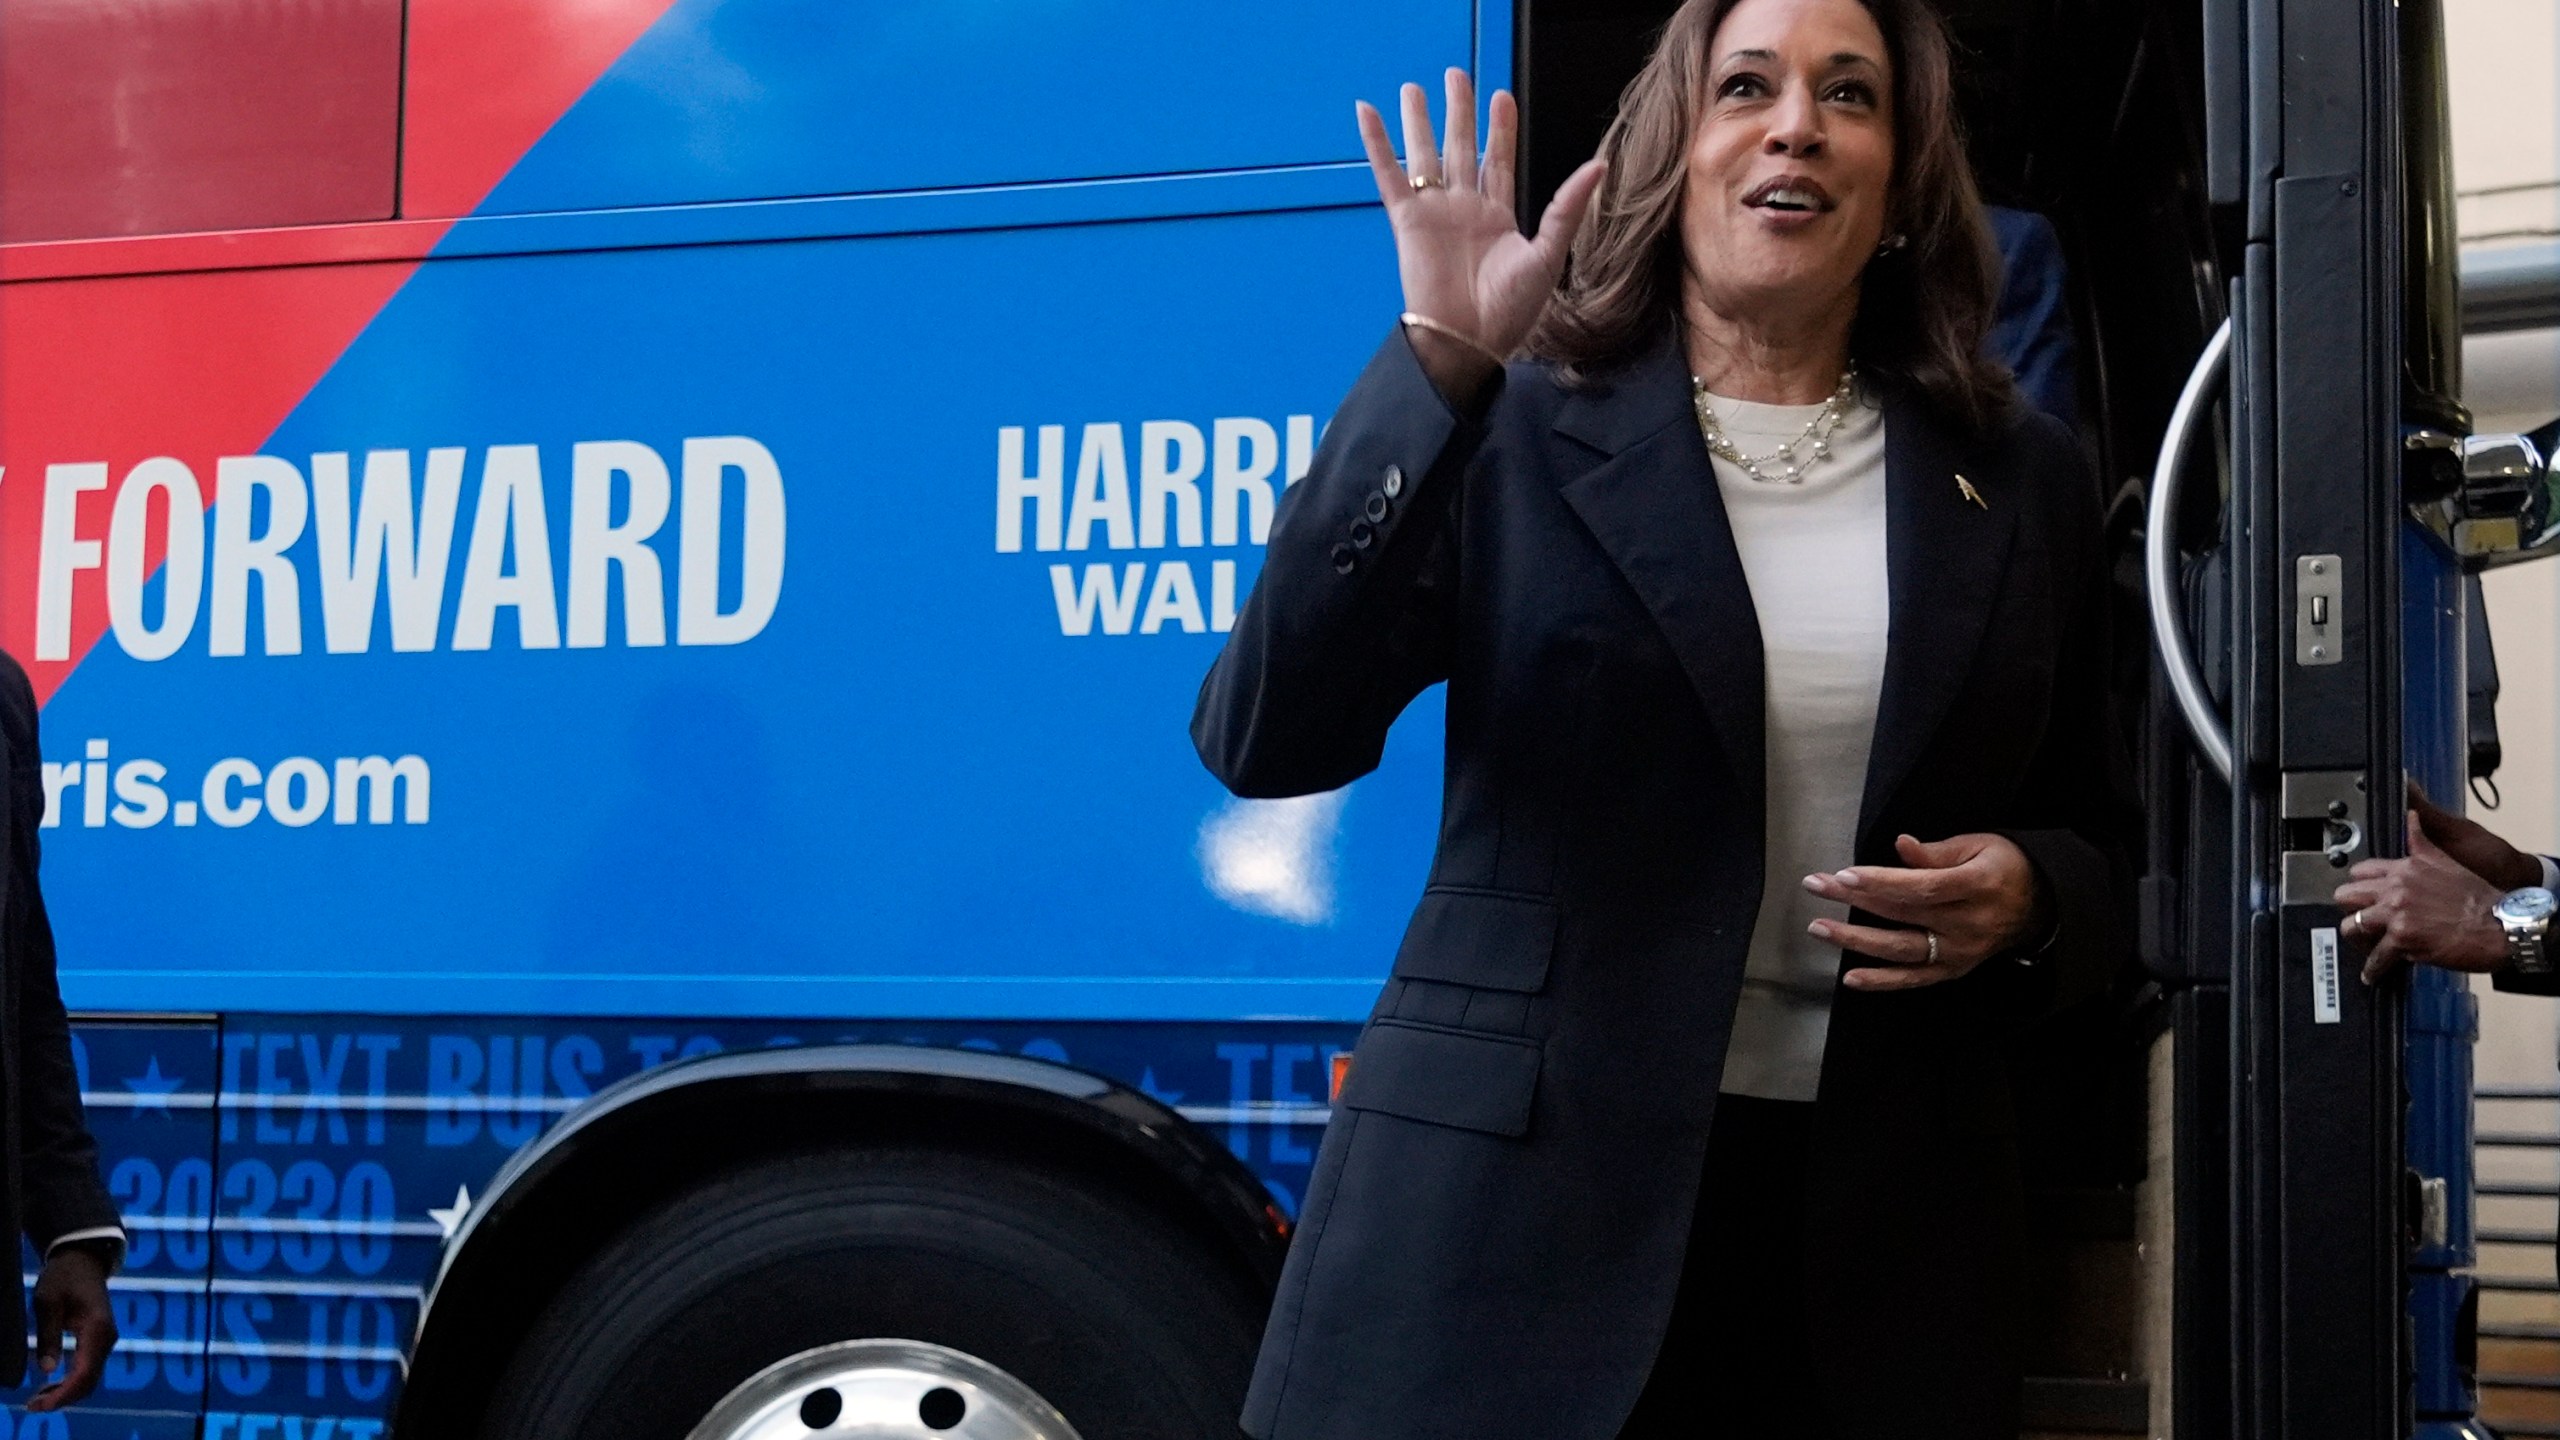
2324,832
2316,593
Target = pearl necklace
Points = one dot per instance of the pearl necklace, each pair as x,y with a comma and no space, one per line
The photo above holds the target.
1814,441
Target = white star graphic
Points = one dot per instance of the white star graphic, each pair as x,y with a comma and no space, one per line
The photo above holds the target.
152,1089
449,1219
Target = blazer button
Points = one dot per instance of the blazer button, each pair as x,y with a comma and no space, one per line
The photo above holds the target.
1376,508
1345,559
1362,534
1393,481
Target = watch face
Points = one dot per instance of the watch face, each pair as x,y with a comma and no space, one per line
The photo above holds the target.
2529,904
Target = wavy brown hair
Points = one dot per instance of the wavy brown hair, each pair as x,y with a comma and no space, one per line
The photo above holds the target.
1923,310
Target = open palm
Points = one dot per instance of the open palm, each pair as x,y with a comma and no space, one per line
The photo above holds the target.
1460,252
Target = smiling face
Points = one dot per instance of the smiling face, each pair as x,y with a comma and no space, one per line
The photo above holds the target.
1790,170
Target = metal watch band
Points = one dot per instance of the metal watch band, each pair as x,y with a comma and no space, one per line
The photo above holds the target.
2524,947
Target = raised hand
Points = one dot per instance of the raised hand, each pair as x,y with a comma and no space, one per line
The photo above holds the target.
1976,894
1464,262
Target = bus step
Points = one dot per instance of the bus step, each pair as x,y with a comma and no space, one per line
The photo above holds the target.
2495,1381
2083,1406
2518,1285
2518,1237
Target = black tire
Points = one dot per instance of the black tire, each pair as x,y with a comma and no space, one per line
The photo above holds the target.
1126,1324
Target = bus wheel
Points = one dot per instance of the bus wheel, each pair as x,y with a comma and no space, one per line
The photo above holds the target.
887,1388
944,1294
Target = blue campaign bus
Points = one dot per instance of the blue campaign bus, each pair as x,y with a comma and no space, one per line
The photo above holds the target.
616,587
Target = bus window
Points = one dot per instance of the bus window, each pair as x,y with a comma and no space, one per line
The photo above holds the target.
160,116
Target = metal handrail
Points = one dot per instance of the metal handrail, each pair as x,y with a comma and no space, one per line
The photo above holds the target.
2159,552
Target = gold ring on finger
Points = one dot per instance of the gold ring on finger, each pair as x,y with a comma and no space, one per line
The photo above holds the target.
1429,182
2355,922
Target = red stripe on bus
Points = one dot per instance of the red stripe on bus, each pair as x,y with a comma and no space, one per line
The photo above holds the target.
488,77
199,346
116,371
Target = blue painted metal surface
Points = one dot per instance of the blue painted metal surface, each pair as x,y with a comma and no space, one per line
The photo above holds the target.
2442,1016
814,820
753,99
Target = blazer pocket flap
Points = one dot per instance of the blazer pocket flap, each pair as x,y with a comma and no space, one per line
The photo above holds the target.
1444,1077
1480,937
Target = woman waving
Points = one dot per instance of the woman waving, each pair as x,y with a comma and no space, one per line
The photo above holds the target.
1779,784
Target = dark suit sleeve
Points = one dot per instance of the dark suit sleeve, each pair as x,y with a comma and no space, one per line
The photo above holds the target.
2032,332
58,1161
2081,783
1350,617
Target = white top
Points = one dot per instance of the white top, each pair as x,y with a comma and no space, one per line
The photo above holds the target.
1814,553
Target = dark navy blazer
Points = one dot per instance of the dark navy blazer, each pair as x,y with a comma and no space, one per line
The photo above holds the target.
1497,1221
49,1184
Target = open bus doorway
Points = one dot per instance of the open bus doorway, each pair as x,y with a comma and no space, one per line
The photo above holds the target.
2293,1254
2091,118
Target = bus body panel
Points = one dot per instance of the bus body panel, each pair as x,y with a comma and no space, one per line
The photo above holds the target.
558,805
936,779
757,99
290,1179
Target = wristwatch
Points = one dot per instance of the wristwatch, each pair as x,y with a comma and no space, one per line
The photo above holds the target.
2526,917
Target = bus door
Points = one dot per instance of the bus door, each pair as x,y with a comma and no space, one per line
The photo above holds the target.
2300,128
2357,502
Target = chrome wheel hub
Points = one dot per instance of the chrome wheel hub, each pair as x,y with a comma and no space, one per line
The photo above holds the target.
883,1390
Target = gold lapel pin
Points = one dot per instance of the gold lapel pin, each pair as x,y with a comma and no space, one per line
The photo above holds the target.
1965,488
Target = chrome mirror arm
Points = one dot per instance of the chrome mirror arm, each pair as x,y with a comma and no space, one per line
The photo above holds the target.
2505,507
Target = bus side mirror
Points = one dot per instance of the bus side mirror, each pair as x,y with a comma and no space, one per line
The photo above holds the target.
2502,504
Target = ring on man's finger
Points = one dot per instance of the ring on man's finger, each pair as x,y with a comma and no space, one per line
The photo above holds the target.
2355,922
1933,945
1429,182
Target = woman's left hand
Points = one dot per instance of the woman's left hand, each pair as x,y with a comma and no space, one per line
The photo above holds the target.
1976,893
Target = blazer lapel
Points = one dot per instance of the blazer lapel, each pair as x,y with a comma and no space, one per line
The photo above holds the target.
1946,554
1653,506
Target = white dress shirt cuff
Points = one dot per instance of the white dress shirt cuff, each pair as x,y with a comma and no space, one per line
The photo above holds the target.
102,1232
2550,871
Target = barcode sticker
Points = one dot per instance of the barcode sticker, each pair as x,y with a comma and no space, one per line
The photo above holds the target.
2324,977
